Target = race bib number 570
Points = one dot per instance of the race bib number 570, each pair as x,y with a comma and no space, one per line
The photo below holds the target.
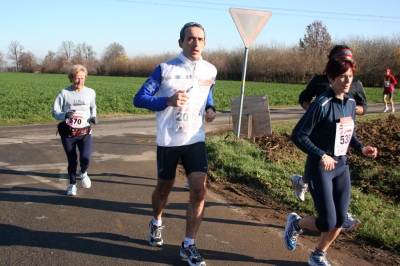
78,120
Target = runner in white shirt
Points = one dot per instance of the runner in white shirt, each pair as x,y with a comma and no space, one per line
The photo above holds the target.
180,91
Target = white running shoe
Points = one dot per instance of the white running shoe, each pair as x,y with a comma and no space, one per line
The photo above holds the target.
393,110
385,109
86,183
192,255
299,190
71,190
155,238
351,224
318,258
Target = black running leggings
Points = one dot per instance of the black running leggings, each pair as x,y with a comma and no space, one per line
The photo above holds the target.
85,151
330,191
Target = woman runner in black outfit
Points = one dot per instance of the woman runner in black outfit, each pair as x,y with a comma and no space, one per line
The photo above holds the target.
324,132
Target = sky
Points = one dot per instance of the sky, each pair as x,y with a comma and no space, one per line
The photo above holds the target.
151,27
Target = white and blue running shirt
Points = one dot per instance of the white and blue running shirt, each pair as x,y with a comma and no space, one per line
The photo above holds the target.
177,126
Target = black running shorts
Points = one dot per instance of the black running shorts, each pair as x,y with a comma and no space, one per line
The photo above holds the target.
193,158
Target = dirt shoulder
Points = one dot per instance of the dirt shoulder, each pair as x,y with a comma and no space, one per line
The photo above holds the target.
257,206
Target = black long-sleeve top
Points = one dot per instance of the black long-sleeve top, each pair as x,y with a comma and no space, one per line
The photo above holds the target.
320,84
315,132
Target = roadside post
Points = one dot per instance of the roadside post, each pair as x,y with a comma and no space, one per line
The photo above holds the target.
249,24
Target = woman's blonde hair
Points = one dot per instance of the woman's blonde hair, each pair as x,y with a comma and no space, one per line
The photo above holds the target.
75,69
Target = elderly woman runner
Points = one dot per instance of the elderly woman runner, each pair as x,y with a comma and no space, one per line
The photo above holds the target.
324,132
76,106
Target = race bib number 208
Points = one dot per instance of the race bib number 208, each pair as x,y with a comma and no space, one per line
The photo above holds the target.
187,119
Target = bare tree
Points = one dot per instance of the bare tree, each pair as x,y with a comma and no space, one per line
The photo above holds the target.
315,46
83,54
54,63
112,54
373,56
27,62
14,52
78,57
66,49
48,64
61,65
397,56
50,55
88,52
2,61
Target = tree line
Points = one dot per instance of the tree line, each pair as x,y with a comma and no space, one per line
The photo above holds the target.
267,63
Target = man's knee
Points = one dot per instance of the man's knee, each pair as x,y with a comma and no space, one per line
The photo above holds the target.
198,186
198,195
164,187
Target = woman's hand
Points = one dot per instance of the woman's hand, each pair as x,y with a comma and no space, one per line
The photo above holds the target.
370,152
328,162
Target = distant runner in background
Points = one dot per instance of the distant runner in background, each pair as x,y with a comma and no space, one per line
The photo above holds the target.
389,82
318,85
76,106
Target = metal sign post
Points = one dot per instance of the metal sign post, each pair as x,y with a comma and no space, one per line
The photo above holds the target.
249,24
246,53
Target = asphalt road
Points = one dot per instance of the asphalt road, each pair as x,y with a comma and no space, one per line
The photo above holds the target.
108,223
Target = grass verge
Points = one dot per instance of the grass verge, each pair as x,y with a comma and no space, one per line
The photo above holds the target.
270,167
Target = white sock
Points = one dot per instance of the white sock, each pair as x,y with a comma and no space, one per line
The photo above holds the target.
156,222
188,242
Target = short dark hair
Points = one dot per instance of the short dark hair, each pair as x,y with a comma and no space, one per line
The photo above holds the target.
187,25
336,66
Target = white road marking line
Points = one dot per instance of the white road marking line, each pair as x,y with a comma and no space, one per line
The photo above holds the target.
62,181
146,156
35,167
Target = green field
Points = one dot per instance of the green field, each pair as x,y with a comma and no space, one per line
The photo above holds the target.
28,98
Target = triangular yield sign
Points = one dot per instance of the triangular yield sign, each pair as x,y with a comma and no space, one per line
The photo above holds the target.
249,23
